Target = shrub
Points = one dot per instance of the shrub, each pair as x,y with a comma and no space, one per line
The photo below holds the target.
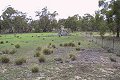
77,49
49,44
72,57
38,48
1,42
17,46
79,43
41,58
47,51
5,59
6,51
35,69
37,54
20,61
13,51
112,59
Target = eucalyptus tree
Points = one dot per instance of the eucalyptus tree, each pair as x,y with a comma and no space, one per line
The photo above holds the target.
111,10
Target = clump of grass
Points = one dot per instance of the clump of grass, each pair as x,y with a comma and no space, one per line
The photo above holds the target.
65,44
77,49
13,51
61,44
53,46
47,51
20,61
71,44
35,69
79,43
6,51
72,57
12,44
6,41
38,48
50,44
59,59
37,54
1,42
118,54
112,59
42,58
5,59
17,46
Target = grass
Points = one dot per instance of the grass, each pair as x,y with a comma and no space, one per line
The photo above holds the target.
29,46
35,69
5,59
20,61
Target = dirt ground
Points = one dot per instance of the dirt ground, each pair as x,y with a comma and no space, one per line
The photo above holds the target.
90,64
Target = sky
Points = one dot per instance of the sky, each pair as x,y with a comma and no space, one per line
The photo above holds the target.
64,8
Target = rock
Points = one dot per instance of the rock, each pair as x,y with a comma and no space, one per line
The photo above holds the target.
1,52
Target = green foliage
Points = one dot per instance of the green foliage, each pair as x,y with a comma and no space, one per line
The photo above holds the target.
4,59
20,61
1,42
37,54
47,51
35,69
17,46
61,44
79,43
42,58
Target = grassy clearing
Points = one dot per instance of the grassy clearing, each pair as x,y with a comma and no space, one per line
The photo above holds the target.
32,45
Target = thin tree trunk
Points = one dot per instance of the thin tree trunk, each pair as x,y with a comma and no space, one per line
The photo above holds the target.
118,32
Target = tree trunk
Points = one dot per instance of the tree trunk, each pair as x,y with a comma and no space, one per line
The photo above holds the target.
118,31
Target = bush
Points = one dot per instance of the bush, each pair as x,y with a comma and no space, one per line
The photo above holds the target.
17,46
53,46
1,42
6,51
13,51
38,48
79,43
72,57
37,54
20,61
41,58
77,49
47,51
35,69
5,59
112,59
